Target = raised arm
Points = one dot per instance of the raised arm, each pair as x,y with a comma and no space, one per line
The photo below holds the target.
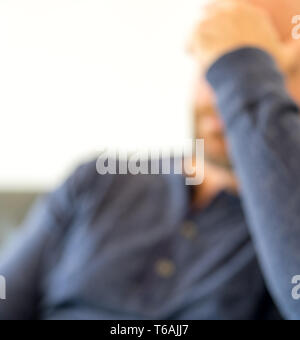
234,42
263,129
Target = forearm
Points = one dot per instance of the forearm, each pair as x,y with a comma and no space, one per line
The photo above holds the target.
263,129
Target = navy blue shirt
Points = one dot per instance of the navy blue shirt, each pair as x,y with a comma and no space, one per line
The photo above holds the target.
129,247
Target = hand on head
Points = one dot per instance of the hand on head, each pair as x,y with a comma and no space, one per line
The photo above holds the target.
228,25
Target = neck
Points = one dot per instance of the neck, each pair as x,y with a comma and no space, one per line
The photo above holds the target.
216,180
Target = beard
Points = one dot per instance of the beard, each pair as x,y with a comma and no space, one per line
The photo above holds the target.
220,162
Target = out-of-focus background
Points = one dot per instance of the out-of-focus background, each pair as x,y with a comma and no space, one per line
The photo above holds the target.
77,76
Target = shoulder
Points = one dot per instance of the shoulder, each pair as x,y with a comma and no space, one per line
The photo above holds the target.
91,184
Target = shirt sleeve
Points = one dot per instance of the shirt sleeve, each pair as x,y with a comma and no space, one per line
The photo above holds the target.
263,130
21,264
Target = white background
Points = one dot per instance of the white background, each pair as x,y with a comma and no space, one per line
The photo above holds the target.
80,75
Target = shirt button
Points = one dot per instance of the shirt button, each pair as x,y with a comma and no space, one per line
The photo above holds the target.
165,268
189,230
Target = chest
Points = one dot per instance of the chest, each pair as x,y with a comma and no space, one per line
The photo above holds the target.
146,263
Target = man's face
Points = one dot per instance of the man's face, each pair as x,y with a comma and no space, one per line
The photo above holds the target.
208,124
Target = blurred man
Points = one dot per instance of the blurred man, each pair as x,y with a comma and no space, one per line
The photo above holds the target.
149,247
